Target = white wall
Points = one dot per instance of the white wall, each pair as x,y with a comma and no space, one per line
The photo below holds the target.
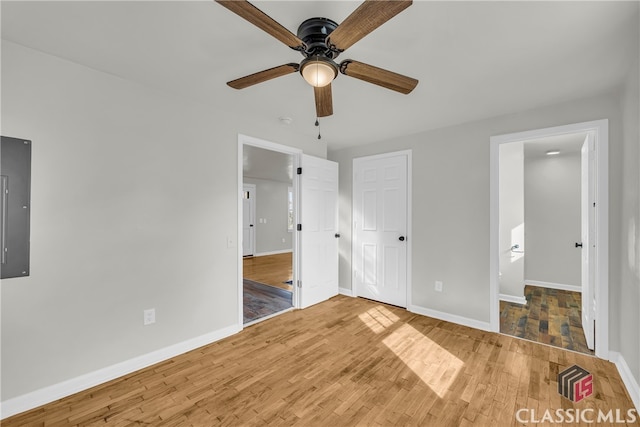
552,217
134,193
629,222
271,204
451,204
512,221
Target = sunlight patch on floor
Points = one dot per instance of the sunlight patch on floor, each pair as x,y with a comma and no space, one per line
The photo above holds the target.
425,357
378,318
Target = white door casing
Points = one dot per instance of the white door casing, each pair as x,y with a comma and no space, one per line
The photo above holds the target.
319,221
380,228
588,245
248,219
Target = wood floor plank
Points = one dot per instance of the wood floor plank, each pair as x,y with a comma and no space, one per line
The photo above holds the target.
345,362
272,270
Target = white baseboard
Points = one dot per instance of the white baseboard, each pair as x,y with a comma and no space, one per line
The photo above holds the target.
627,377
559,286
345,291
513,299
282,251
453,318
66,388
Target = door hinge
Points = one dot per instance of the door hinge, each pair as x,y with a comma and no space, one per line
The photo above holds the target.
299,228
299,171
299,283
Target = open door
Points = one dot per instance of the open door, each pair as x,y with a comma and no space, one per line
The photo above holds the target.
318,220
248,219
588,245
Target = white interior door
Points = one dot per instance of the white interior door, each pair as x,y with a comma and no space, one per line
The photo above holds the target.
587,209
380,227
319,220
248,219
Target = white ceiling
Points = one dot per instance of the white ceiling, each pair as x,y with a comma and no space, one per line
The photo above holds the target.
568,145
259,163
474,59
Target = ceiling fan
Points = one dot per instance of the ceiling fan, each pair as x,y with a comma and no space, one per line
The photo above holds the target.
321,40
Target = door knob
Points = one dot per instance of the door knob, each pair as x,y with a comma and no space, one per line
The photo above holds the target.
401,238
337,235
578,245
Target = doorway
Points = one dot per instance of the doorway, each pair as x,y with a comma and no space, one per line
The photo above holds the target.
310,200
381,227
540,259
267,249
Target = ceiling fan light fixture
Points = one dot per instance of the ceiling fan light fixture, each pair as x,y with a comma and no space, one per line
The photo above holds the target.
318,70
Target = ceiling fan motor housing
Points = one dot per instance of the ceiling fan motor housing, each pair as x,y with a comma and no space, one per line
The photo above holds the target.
314,32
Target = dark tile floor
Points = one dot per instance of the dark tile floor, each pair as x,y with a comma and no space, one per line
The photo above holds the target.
260,300
550,316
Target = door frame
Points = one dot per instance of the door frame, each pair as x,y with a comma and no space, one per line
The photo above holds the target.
295,153
586,234
252,236
600,129
409,233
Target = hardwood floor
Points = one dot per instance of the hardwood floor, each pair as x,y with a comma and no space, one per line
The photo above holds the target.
272,270
550,316
344,362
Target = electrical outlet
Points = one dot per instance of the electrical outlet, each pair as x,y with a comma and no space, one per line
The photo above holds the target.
283,240
438,286
149,316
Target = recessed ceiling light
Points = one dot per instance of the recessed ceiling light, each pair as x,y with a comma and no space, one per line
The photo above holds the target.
286,120
552,152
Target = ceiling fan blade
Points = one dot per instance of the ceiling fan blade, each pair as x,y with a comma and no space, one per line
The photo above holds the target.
378,76
263,76
366,18
246,10
324,101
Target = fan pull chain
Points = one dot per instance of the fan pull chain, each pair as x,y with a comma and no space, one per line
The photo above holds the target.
318,126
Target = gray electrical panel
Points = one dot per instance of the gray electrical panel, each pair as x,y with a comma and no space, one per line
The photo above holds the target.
15,206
